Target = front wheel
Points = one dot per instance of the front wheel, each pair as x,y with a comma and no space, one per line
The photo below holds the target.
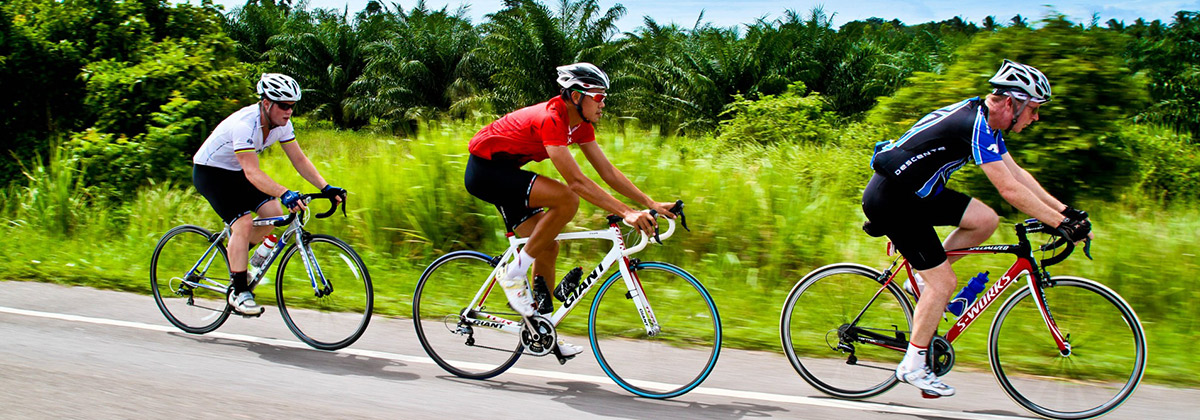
844,331
327,300
188,275
465,339
680,355
1102,366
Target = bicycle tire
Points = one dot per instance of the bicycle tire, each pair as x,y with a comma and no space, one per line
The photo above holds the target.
676,359
828,299
195,310
443,293
325,321
1107,356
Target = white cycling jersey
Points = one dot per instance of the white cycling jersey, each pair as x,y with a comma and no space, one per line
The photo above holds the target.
241,132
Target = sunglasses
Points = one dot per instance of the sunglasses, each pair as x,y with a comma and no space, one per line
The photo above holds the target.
284,106
596,96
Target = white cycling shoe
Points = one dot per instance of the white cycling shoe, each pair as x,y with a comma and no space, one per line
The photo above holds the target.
516,289
566,349
244,303
930,385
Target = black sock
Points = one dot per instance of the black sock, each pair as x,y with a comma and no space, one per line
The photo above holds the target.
237,281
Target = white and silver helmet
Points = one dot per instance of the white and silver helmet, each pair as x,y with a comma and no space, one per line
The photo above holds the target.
1021,81
278,87
584,75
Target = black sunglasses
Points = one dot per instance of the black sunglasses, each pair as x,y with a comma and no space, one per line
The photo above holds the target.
284,106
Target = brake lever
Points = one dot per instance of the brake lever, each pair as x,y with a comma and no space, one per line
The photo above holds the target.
1087,248
678,210
654,214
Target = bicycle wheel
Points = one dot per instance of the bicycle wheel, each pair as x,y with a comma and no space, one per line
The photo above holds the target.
196,305
1107,350
336,315
471,350
825,348
676,359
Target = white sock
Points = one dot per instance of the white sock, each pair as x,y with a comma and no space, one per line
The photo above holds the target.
520,267
914,358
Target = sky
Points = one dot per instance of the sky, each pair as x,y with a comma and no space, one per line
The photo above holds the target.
737,12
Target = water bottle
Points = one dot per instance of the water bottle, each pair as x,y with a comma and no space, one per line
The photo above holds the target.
260,254
569,283
966,296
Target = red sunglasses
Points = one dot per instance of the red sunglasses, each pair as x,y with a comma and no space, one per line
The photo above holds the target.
596,96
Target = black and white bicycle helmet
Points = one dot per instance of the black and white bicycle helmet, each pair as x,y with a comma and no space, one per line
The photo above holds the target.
278,87
582,75
1021,81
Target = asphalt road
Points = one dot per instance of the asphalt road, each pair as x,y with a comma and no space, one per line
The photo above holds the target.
73,352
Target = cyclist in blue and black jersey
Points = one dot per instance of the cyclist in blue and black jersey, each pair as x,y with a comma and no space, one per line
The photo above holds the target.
907,196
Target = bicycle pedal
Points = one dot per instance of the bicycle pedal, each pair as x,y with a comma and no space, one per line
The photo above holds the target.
929,395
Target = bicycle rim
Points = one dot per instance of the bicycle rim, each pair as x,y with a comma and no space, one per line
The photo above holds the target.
829,299
1104,367
192,309
443,293
329,319
675,360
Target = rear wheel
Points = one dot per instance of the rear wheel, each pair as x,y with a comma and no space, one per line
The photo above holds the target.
192,300
825,319
461,338
1101,369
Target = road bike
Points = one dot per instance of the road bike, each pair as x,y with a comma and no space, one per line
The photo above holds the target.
1062,347
189,274
663,350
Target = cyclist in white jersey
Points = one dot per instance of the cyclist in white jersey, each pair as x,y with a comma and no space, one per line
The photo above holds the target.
226,172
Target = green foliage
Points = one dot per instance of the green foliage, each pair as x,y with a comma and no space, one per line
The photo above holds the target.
1075,149
1172,60
411,72
791,117
1168,164
153,114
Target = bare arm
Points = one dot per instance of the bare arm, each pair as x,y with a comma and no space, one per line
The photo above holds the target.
257,177
1019,195
303,166
1026,179
581,185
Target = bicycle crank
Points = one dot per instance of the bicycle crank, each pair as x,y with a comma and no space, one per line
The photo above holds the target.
538,335
941,355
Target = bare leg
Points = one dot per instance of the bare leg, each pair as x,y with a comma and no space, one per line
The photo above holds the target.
940,282
561,204
269,209
239,243
978,224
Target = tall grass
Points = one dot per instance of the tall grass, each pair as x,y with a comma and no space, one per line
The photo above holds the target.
761,218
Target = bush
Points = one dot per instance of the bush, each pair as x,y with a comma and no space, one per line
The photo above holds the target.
791,117
1076,137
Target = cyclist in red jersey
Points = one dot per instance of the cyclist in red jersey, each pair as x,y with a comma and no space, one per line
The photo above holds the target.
539,207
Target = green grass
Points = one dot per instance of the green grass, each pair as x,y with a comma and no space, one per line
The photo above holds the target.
761,219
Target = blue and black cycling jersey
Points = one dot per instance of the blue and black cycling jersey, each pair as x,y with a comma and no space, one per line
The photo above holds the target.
923,159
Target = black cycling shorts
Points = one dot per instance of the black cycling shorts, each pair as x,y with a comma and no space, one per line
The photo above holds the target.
908,220
228,192
504,184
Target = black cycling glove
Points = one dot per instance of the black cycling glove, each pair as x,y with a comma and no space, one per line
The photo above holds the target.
1075,230
340,192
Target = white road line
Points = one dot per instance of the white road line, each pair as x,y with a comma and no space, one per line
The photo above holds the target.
602,380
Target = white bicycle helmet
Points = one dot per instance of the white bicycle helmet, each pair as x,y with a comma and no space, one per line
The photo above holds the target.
584,75
278,87
1021,81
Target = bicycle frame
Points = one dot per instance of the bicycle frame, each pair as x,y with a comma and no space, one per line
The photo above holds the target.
295,229
1024,265
618,255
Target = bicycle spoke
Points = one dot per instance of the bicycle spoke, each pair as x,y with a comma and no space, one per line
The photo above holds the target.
1105,363
194,307
327,318
673,361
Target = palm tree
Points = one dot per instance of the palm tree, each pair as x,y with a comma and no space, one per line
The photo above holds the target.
325,61
411,73
514,64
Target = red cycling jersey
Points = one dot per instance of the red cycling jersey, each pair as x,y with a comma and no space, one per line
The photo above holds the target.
523,135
